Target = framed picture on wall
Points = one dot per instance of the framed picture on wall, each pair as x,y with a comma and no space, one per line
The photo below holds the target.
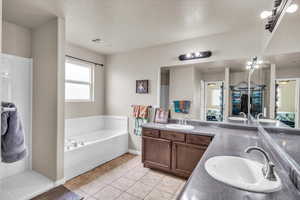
142,86
161,116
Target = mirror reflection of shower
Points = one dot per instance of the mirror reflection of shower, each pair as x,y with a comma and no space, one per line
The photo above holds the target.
256,93
214,100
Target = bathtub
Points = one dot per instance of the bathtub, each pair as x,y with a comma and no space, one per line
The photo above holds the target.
92,141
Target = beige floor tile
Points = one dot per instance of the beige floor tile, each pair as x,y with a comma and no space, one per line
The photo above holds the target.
122,183
126,196
90,198
140,190
107,193
180,188
92,187
108,178
157,173
135,175
151,179
169,184
158,195
81,193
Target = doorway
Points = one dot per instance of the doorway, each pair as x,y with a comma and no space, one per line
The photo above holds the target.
287,101
214,100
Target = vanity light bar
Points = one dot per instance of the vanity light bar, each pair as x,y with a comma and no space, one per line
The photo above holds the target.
195,55
277,11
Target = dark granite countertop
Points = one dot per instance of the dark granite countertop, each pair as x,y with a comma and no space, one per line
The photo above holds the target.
229,140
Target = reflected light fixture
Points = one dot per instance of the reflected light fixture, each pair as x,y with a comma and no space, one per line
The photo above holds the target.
265,14
97,40
285,82
254,63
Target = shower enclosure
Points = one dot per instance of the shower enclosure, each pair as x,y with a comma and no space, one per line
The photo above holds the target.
16,87
17,180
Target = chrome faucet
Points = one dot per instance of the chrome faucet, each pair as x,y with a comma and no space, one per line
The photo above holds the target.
258,116
244,115
268,169
182,121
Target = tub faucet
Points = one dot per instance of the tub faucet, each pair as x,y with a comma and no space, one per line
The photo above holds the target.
244,115
258,116
268,169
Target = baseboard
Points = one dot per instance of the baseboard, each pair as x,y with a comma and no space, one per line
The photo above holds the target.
135,152
59,182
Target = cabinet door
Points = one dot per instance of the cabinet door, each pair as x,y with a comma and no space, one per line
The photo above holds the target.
156,153
185,158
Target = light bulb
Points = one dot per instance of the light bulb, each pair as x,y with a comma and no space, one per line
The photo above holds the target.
265,14
197,54
189,55
292,8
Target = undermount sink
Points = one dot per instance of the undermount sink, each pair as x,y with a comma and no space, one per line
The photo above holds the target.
271,121
241,173
180,126
240,119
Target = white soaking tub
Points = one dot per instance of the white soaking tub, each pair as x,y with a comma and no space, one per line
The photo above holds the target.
92,141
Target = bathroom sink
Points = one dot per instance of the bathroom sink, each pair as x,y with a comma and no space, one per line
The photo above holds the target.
240,119
241,173
271,121
180,126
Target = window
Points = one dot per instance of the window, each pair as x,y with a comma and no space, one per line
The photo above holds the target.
79,81
216,97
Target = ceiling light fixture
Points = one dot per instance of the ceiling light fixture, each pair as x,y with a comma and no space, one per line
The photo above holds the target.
195,55
265,14
254,63
292,8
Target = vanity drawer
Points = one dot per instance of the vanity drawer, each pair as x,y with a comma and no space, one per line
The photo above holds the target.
150,132
169,135
198,139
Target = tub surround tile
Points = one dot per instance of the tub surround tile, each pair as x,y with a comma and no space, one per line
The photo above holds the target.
108,193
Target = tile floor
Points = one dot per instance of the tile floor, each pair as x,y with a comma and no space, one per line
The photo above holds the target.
125,178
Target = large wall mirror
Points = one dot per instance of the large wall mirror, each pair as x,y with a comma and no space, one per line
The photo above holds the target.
281,68
218,91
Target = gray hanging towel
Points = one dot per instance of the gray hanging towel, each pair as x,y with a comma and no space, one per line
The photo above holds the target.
12,135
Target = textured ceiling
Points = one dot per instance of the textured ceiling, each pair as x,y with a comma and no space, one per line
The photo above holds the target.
125,25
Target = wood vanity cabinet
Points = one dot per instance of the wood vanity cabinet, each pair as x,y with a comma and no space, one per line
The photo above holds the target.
173,152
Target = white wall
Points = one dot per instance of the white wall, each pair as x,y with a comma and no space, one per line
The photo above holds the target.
181,88
124,69
48,99
16,40
82,109
288,72
1,26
